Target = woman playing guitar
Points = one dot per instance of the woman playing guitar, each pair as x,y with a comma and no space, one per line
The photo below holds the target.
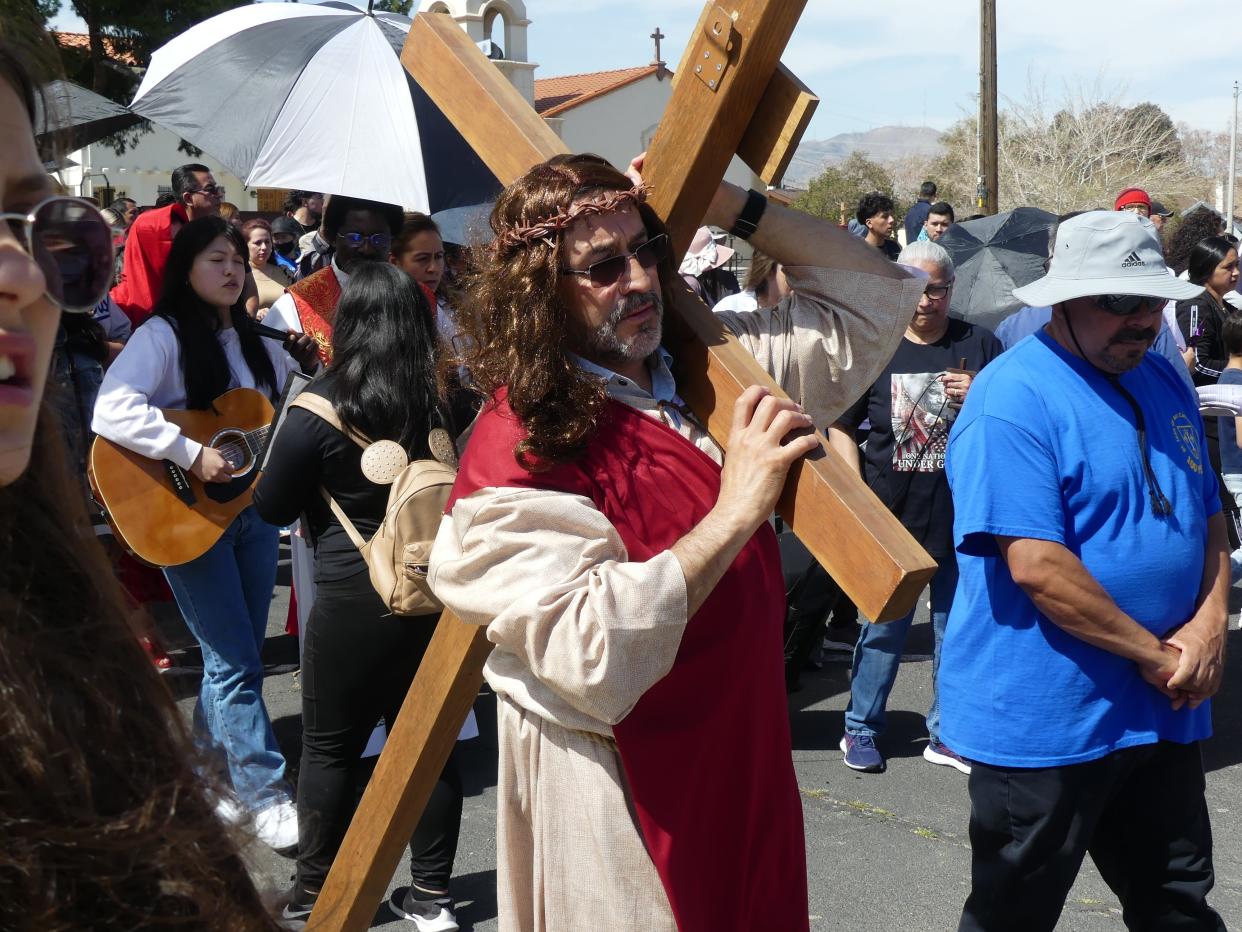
195,346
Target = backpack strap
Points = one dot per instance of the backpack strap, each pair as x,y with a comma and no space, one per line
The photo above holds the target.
322,408
348,525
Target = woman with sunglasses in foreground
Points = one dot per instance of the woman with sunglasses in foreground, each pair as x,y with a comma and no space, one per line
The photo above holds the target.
195,346
103,821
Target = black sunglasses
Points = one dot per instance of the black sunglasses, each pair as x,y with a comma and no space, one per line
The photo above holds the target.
608,271
936,292
71,243
1122,305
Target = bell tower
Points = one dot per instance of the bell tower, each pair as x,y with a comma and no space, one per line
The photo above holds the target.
499,28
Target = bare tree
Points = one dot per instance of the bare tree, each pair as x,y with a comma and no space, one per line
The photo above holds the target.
1076,151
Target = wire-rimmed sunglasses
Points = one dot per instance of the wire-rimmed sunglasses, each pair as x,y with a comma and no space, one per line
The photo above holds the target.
357,240
608,271
71,243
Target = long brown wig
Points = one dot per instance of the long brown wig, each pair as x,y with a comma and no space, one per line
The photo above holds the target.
518,333
104,823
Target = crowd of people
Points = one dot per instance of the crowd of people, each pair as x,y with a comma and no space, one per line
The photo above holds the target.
624,566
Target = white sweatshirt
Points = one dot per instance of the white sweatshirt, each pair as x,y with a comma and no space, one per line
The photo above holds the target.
146,376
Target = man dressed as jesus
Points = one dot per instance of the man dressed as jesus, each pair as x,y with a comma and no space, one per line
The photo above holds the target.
630,583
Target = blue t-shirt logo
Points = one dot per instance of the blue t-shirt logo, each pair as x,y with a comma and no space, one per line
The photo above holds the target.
1188,439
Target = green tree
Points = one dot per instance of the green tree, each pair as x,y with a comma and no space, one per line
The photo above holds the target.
844,184
121,31
24,24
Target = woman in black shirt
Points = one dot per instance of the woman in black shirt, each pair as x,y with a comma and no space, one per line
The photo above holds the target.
358,659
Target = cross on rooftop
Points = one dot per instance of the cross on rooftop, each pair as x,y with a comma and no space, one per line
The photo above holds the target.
657,35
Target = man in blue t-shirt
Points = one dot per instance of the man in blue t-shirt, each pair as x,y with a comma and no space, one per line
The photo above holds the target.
1087,632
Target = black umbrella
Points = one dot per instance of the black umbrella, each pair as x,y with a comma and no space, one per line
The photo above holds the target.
992,256
76,117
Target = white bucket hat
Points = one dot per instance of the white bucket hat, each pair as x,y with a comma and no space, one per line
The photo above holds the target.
1106,252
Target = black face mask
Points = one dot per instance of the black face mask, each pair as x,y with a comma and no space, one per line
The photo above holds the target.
285,249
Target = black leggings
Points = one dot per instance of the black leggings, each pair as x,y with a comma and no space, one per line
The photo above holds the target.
357,665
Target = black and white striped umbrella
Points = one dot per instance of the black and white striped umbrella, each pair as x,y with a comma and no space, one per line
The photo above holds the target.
312,96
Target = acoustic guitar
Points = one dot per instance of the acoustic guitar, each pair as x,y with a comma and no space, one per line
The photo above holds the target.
165,515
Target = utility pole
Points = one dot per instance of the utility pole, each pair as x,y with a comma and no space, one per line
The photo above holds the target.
988,156
1233,157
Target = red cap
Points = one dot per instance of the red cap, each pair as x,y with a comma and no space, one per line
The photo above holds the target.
1132,196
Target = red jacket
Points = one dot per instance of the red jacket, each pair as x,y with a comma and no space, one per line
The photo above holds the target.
146,252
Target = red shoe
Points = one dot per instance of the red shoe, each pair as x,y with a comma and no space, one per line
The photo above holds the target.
158,655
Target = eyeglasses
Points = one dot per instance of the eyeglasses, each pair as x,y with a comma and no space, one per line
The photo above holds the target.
356,240
1122,305
211,190
71,243
1138,209
936,292
608,271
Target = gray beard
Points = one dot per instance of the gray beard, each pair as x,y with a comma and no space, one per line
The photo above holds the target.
603,343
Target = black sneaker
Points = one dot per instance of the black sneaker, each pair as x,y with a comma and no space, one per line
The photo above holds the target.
297,911
432,915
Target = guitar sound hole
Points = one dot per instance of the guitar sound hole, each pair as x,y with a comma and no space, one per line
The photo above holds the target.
232,445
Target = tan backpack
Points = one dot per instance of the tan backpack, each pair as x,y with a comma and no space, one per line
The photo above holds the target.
400,551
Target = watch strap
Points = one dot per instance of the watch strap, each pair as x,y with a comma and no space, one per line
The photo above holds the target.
748,220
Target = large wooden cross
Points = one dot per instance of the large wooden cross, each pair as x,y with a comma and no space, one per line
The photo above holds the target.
730,95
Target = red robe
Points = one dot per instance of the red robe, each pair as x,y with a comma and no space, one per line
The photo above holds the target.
146,253
707,750
316,297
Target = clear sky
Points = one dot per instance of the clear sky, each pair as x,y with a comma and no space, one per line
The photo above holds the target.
885,62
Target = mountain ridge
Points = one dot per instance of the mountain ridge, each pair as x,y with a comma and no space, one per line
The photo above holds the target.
881,144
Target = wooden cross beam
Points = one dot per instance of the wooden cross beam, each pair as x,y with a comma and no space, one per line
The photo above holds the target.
713,113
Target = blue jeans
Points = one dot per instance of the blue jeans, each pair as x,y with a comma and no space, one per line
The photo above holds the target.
224,597
877,655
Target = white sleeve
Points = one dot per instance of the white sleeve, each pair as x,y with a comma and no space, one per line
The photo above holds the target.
827,341
578,627
283,314
124,413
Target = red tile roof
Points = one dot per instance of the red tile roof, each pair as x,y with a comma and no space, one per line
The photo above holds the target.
556,95
80,40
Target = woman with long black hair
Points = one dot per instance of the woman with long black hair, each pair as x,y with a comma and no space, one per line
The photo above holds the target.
359,659
104,823
1212,263
196,346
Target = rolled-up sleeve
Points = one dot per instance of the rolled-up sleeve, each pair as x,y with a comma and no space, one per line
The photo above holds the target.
830,338
580,631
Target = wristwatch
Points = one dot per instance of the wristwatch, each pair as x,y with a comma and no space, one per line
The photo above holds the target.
748,220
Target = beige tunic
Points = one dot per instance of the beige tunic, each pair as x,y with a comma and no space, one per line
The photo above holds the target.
581,632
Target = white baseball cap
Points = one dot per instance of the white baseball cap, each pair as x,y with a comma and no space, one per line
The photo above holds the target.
1106,252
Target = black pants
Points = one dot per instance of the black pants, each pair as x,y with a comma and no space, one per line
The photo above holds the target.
1139,812
357,664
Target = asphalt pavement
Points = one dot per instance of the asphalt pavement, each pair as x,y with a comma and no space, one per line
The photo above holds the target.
886,851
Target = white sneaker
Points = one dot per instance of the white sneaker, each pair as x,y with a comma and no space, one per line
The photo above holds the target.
277,826
427,916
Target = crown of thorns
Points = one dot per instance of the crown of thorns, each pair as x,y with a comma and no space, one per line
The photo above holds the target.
545,227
